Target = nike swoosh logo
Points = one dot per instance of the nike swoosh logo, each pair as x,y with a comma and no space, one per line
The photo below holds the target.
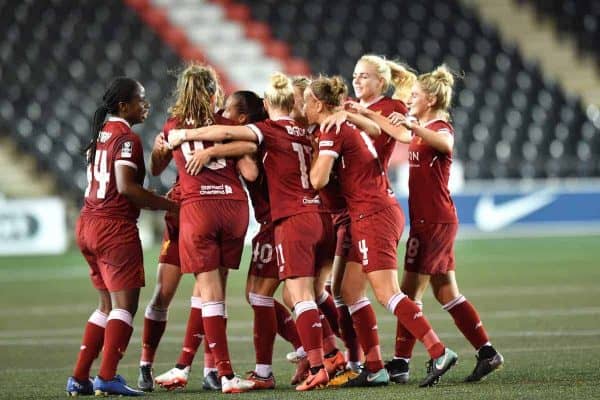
491,217
371,378
440,365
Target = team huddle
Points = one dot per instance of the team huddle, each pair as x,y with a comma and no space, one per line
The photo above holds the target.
314,163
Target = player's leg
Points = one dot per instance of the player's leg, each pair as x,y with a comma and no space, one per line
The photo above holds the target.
388,293
334,359
155,320
414,286
119,328
80,382
467,320
178,376
354,287
260,292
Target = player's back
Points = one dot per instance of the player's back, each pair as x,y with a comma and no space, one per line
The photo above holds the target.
217,180
361,176
116,145
287,159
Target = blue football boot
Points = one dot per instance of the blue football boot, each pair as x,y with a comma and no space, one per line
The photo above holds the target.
76,388
116,386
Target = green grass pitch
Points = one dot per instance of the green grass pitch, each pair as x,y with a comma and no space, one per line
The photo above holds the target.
538,298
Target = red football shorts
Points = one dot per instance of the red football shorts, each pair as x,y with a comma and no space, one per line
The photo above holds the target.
303,244
169,251
211,234
113,251
430,248
263,263
375,239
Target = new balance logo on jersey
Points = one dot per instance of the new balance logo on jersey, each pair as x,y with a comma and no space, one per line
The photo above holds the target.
478,325
374,328
316,325
364,250
413,156
418,315
212,345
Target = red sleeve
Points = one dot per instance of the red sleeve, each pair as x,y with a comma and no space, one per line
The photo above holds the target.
442,126
401,107
129,151
330,143
261,130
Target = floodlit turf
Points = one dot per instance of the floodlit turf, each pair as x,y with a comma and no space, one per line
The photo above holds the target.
538,298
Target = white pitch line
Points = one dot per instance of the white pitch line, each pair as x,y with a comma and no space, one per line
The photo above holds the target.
240,302
490,315
32,342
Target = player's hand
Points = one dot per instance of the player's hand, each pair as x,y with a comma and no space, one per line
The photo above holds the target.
336,120
160,144
176,137
355,107
198,160
396,118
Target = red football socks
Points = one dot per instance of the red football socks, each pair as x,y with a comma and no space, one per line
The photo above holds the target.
116,338
365,324
265,327
467,320
155,322
194,333
411,316
91,344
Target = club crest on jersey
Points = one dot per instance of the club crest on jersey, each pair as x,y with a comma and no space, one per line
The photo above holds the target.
127,150
104,136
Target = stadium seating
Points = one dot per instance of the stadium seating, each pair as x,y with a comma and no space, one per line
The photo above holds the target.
580,18
511,122
54,79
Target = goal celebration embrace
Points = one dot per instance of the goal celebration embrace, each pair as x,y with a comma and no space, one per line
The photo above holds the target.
310,155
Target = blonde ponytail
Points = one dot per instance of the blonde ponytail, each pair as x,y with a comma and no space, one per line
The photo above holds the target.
280,92
439,84
402,79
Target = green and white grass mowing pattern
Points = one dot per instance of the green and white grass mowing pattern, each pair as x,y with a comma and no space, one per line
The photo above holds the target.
538,298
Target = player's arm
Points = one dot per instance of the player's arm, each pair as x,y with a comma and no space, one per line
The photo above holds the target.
248,168
161,155
142,198
236,148
338,118
320,170
213,133
441,140
398,132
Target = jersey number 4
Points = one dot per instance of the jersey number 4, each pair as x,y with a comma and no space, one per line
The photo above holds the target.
100,175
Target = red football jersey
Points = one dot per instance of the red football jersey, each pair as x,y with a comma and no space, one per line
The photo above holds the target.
384,143
117,144
362,179
428,194
218,179
259,194
331,195
287,159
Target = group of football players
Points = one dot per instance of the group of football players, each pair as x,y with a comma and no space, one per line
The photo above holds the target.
314,163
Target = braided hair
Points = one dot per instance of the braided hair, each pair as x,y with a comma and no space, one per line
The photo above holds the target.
121,90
